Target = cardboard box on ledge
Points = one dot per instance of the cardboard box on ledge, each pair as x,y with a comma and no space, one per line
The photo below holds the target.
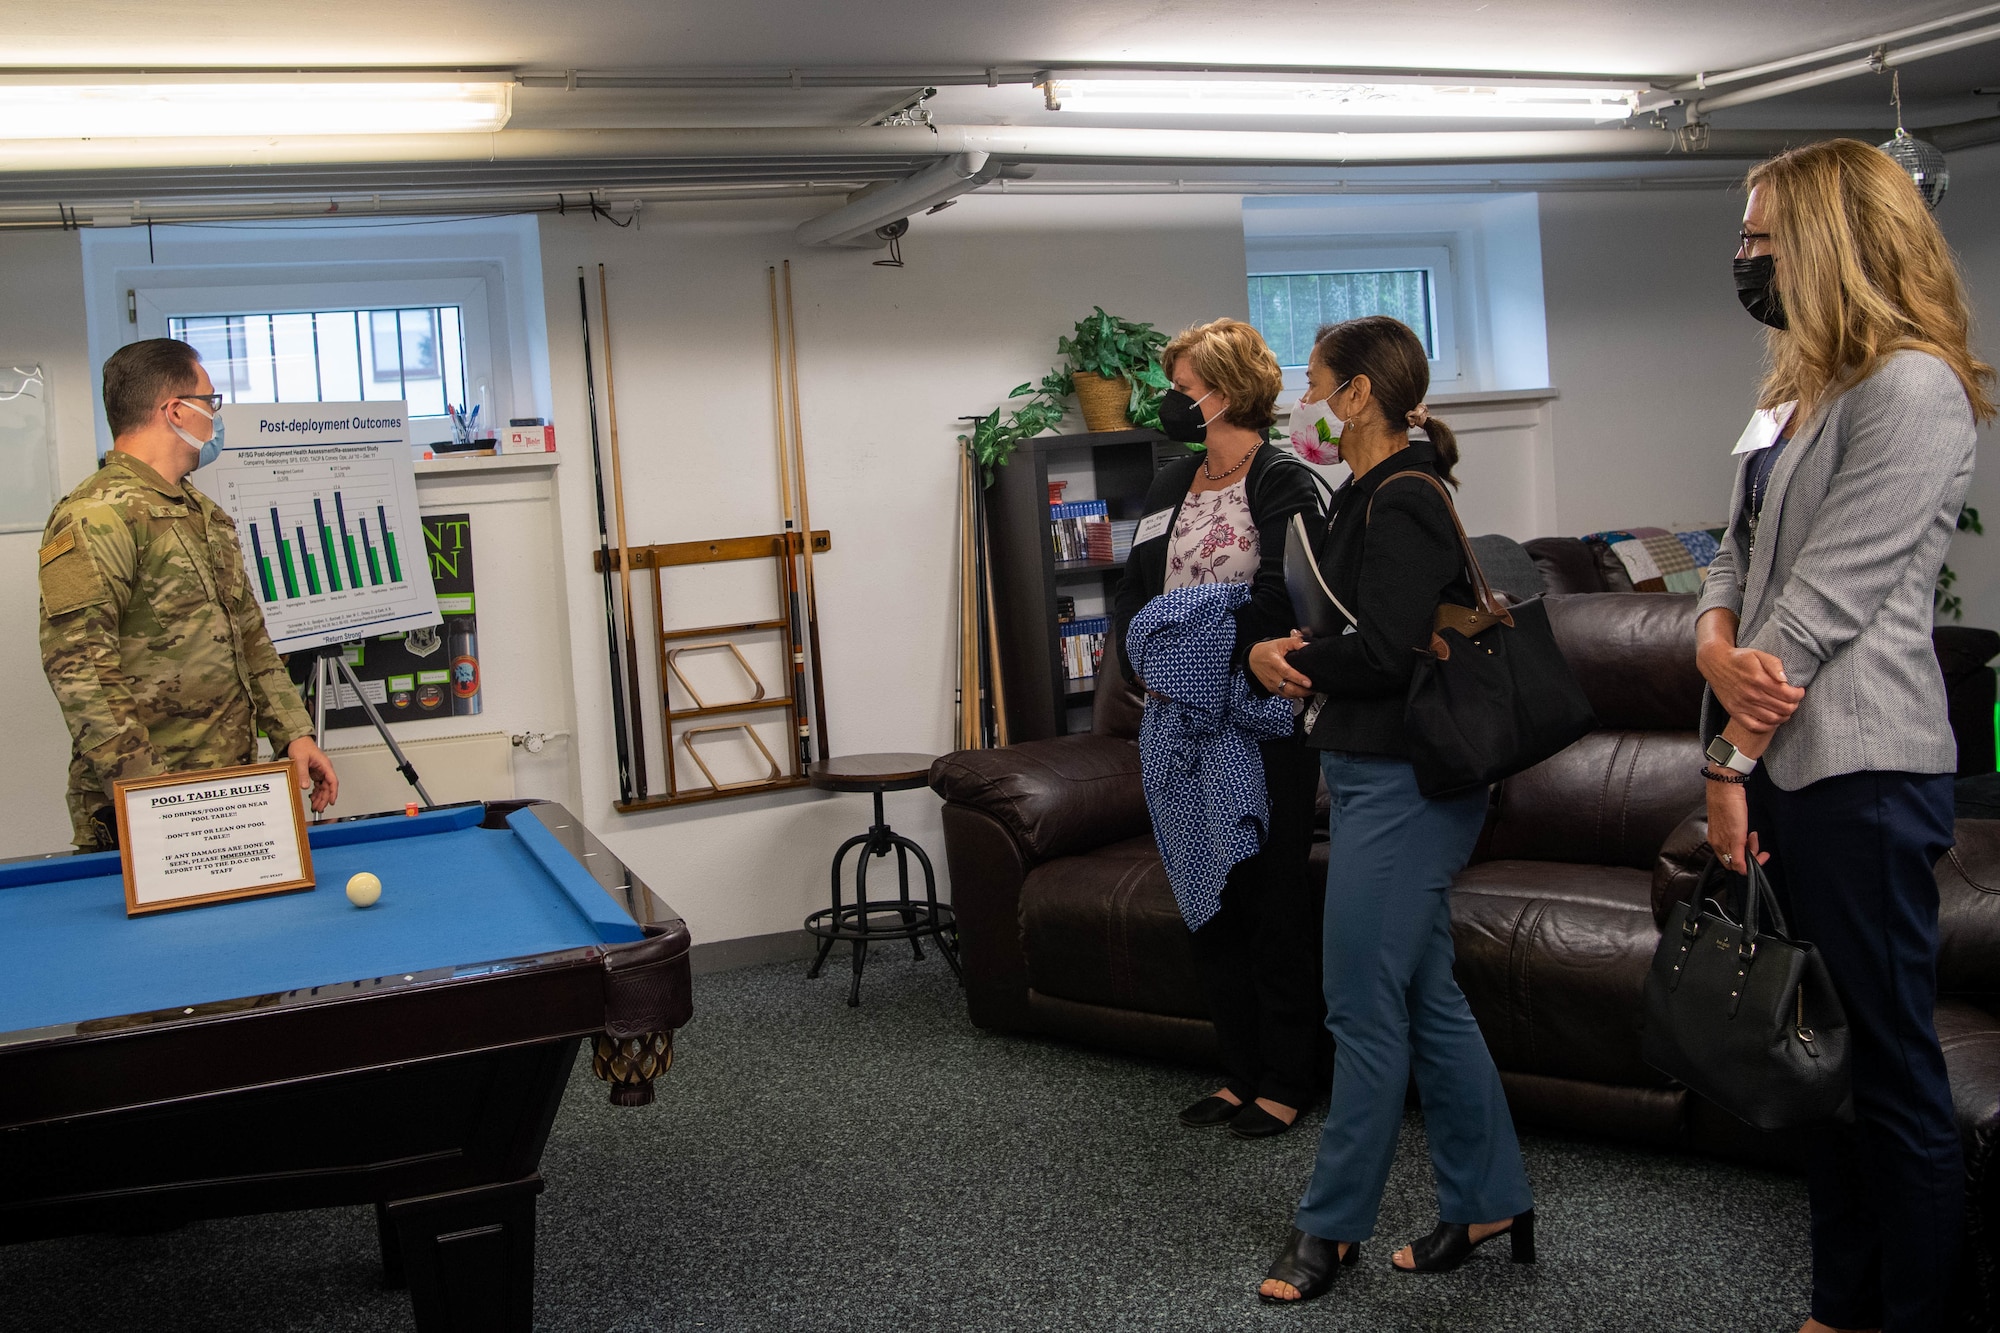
528,440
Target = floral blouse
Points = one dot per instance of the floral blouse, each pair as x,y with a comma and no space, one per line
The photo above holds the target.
1214,540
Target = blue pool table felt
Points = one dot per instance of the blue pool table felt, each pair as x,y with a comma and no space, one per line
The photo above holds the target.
453,895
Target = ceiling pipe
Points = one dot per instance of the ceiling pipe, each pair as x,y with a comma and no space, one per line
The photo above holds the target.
995,76
1050,144
1847,69
891,203
1702,82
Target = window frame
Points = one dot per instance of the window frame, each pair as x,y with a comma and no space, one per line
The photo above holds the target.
1294,255
155,306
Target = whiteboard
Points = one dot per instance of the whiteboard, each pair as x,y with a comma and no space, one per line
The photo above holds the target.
27,449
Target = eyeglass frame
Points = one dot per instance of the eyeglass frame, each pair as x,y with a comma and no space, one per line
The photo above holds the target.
212,400
1746,239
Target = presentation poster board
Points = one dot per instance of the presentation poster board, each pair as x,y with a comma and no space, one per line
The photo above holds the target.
433,672
190,839
325,501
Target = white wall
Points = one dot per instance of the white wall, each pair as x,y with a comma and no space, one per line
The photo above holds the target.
1967,217
888,360
1656,361
41,319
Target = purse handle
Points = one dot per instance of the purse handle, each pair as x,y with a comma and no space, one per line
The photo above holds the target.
1759,897
1481,589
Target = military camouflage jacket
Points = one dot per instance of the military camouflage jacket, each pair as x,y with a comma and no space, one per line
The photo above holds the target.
151,638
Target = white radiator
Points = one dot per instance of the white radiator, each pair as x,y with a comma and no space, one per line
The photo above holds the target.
478,767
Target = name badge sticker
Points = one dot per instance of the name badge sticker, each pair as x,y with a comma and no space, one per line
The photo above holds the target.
1764,429
1153,525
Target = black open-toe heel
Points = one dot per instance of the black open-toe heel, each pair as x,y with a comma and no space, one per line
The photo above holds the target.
1452,1244
1309,1264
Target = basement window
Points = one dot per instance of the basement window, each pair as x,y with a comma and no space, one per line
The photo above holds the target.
415,354
1289,308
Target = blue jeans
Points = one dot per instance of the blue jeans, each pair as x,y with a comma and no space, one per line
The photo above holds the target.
1391,1001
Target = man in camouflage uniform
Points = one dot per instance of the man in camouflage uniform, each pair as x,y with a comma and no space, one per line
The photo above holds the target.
151,638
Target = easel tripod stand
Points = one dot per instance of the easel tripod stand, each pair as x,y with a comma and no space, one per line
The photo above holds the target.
330,665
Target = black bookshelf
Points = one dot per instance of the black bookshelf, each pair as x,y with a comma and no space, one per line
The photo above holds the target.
1027,577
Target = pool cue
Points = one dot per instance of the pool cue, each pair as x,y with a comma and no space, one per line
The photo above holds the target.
787,571
968,633
604,558
624,551
805,517
997,689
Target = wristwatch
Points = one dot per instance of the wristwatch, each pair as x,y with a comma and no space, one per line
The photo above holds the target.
1724,755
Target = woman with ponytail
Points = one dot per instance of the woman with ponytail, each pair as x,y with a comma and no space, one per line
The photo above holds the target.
1390,555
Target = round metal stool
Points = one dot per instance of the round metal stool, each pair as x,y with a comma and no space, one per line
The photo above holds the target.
900,918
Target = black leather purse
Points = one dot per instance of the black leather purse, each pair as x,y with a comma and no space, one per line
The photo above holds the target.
1494,695
1744,1014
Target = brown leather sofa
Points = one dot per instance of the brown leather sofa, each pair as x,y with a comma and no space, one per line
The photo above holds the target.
1068,928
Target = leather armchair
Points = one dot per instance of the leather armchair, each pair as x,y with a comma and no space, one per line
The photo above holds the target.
1068,928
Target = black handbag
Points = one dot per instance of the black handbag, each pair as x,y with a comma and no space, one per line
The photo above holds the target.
1493,695
1746,1015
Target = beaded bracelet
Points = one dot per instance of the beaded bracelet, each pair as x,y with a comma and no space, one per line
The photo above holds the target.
1733,779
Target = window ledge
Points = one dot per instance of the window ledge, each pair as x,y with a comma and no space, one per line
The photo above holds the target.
459,467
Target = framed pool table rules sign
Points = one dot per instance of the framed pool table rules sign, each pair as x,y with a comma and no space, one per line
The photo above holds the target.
189,839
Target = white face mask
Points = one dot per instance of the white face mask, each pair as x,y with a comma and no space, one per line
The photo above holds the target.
1316,430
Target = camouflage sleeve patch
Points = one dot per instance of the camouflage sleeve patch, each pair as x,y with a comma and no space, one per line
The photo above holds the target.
69,577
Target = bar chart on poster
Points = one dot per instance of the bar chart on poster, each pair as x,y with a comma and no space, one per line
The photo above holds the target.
325,502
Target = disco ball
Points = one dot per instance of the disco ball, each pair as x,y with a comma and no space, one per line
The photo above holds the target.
1923,162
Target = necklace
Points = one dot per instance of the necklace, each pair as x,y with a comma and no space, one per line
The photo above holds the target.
1213,476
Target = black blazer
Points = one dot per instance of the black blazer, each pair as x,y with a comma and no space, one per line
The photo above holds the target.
1391,571
1277,486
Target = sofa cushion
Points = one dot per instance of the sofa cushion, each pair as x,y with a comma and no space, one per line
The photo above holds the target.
1101,928
1610,799
1567,565
1969,914
1552,959
1633,653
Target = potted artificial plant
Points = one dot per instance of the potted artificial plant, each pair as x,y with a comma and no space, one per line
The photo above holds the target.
1114,365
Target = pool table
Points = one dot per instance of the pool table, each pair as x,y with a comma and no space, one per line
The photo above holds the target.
298,1052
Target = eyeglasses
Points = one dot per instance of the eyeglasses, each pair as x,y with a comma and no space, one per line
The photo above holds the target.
1744,240
213,400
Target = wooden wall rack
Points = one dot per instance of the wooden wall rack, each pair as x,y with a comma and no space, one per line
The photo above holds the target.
777,547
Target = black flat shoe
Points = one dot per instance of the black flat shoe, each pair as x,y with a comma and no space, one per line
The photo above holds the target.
1252,1121
1210,1112
1452,1244
1309,1265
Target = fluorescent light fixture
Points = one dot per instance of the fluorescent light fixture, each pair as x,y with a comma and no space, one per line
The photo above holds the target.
1260,97
152,106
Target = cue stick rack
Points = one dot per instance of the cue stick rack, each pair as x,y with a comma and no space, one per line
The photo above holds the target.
670,645
791,552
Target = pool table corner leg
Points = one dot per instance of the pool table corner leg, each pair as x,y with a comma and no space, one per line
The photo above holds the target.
469,1257
631,1063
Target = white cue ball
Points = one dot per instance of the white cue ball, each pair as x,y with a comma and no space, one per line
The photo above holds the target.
363,889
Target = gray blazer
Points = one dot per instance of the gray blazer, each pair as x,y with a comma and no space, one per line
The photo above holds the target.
1860,509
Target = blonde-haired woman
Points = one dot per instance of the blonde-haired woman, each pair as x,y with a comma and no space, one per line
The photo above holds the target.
1829,754
1220,516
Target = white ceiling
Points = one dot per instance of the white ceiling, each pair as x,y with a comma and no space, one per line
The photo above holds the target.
1603,36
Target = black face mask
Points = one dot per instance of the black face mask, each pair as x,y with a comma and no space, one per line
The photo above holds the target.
1753,289
1181,418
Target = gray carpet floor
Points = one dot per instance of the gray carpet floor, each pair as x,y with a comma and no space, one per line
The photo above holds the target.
815,1167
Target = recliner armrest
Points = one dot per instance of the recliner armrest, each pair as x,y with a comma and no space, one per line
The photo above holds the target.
1683,857
1056,797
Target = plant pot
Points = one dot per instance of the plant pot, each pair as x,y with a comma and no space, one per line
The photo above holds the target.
1103,401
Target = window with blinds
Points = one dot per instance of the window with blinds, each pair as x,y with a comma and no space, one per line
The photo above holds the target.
416,354
1289,308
